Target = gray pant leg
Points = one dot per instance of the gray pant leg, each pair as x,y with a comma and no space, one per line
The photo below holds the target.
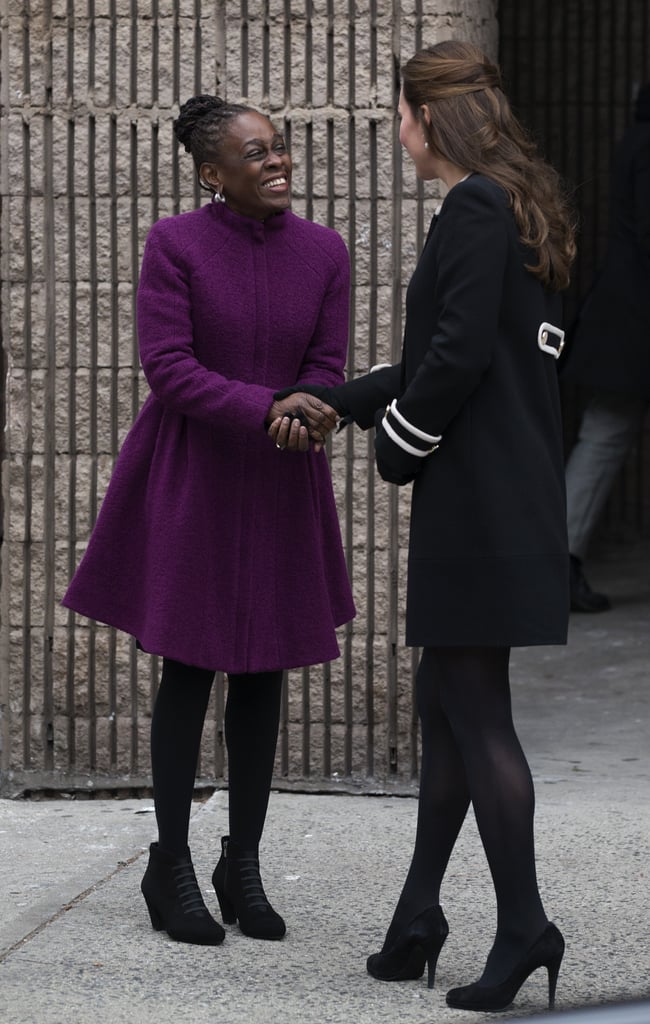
609,426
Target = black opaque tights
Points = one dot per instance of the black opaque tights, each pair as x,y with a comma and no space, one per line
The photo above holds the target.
252,718
471,753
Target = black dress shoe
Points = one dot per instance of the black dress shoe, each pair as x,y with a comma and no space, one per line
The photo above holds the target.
583,598
418,944
546,952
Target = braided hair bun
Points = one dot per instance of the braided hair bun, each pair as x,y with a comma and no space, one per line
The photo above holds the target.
201,125
193,112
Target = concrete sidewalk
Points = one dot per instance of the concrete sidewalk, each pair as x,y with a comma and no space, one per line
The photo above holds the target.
76,945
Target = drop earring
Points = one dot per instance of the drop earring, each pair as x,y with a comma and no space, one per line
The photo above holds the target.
217,195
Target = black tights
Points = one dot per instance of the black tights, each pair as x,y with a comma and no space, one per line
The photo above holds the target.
471,753
251,729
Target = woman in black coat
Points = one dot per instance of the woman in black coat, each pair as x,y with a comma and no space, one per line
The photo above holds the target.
471,415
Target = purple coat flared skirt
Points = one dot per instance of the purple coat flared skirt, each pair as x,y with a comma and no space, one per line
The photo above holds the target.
212,547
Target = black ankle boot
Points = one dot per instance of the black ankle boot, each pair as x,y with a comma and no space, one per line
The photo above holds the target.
241,896
174,900
419,943
546,952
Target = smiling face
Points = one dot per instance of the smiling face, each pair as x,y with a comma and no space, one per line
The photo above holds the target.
253,168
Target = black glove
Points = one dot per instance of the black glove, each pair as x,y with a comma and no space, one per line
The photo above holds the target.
394,465
331,396
397,465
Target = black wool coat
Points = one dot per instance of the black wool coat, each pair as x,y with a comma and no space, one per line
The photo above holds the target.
609,346
488,559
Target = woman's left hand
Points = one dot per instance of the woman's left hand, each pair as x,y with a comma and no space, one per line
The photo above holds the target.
289,434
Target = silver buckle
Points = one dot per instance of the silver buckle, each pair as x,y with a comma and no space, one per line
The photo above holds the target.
547,331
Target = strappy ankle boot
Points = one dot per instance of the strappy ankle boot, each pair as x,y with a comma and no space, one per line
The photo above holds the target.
241,895
174,900
418,943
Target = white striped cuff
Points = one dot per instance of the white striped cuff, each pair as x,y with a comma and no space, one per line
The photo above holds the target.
431,438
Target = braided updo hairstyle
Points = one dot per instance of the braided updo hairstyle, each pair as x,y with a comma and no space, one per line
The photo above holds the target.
201,125
472,126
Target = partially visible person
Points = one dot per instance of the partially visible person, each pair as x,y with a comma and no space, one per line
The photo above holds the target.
215,548
609,353
471,416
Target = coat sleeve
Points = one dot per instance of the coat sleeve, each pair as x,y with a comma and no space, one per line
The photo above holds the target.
165,336
325,357
364,396
472,251
472,248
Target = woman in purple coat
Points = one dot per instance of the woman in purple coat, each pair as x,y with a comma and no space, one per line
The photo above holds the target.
215,548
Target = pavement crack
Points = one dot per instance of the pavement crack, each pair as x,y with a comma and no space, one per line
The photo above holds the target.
5,953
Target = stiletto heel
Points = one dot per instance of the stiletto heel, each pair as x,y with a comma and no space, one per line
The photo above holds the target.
432,963
174,900
553,969
238,885
547,951
418,944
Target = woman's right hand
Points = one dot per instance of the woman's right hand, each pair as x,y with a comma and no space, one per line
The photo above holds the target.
332,396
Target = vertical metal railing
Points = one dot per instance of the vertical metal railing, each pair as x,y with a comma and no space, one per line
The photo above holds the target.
49,399
392,632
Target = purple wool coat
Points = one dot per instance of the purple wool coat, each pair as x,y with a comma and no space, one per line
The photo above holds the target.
212,547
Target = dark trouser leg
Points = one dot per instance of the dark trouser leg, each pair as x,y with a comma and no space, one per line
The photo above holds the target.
252,719
176,729
609,426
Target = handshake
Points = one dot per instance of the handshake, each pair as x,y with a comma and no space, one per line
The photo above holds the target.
303,416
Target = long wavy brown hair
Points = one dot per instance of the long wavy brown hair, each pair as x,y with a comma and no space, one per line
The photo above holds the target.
473,126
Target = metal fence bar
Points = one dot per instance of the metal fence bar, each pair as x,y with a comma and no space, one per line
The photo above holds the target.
306,723
371,538
28,441
5,509
49,399
392,638
71,459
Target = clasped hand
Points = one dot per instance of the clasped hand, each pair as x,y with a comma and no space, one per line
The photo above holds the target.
295,432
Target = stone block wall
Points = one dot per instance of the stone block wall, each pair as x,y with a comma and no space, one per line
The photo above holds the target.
89,91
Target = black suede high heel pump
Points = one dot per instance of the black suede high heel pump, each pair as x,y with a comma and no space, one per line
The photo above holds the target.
419,943
547,951
238,885
174,900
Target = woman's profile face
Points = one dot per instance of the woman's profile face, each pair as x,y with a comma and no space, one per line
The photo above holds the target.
429,164
253,167
411,136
